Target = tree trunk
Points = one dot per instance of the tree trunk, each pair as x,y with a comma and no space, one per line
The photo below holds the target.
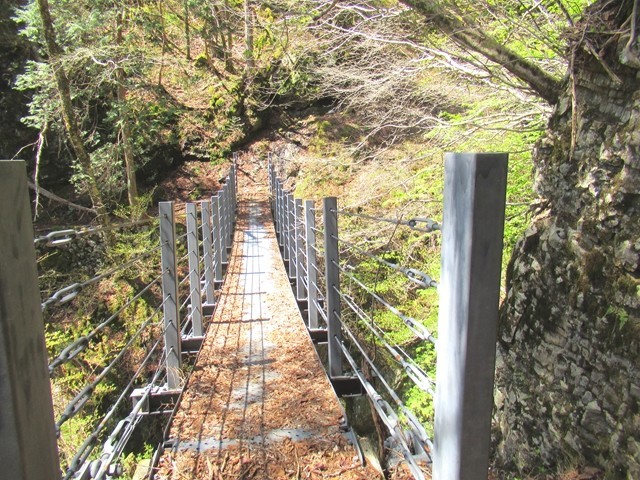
471,37
125,124
70,121
164,41
248,35
187,29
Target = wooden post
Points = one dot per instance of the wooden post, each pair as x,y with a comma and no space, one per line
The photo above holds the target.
299,232
171,305
312,263
474,203
28,449
332,276
207,236
195,289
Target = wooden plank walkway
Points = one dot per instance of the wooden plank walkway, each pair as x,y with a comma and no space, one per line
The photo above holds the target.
258,404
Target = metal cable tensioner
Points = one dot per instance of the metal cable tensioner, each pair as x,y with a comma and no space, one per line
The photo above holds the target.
421,279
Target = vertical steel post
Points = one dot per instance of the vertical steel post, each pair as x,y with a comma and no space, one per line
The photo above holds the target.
285,226
28,449
472,232
291,235
218,256
195,289
301,293
223,220
207,236
229,224
312,264
332,276
233,194
281,209
171,302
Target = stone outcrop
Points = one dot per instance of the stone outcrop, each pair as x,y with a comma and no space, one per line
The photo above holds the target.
568,378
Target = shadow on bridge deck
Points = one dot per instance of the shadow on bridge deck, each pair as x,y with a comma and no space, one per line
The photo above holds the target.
258,403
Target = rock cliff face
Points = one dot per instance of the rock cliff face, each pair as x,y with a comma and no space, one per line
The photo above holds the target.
568,379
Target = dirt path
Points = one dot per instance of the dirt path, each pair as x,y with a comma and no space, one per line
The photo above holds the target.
258,404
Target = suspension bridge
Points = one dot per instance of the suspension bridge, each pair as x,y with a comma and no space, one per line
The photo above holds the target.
246,293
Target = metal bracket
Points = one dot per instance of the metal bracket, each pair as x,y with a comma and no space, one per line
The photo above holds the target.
347,386
161,400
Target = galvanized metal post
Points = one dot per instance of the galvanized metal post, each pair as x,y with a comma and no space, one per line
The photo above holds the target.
474,203
195,289
312,264
229,218
207,236
291,235
332,276
233,194
171,303
218,255
301,292
281,212
285,227
28,449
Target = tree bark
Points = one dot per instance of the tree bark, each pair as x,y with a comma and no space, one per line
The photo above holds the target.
70,121
187,29
125,125
471,37
248,34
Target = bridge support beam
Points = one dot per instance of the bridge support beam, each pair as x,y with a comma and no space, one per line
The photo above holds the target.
474,202
28,448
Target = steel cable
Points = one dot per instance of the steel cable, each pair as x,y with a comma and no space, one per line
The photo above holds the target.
85,394
85,451
80,344
416,276
417,375
414,325
64,236
412,223
387,415
68,293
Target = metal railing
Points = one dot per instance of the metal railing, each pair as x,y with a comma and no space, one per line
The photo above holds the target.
192,251
472,229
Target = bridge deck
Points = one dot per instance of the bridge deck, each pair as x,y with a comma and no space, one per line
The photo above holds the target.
258,403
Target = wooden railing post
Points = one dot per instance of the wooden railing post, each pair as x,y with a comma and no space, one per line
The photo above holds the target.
472,232
171,303
312,264
332,276
28,449
195,289
299,232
